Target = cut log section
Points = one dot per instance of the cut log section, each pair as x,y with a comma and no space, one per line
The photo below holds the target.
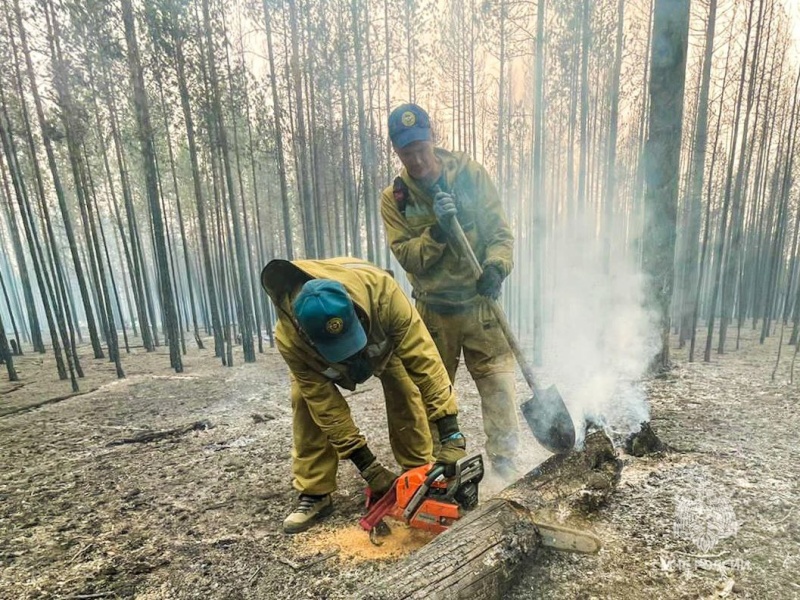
479,556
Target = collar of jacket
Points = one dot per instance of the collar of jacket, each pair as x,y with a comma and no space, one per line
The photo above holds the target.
282,279
452,164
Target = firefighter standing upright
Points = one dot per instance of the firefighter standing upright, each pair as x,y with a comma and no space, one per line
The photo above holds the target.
434,186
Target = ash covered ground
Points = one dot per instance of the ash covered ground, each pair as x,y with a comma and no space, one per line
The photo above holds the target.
87,512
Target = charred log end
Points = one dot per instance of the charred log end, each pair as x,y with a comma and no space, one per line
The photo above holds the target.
645,442
603,470
583,480
478,559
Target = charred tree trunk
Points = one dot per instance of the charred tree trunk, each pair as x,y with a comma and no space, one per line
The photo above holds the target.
141,290
145,134
65,214
181,225
245,325
586,33
27,289
278,131
43,280
692,241
365,143
539,205
5,353
246,253
6,297
667,79
200,200
103,291
304,180
719,272
737,211
705,255
611,163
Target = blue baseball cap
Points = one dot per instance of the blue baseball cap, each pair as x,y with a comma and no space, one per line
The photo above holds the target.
409,123
324,310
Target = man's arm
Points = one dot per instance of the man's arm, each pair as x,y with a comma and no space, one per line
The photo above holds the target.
416,254
416,349
327,406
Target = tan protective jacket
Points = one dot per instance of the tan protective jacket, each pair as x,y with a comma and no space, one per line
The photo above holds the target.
439,274
392,324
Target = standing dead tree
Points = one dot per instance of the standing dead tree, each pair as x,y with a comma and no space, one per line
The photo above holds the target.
662,161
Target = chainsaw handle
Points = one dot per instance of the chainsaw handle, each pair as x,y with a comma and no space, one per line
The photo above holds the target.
379,509
436,470
416,500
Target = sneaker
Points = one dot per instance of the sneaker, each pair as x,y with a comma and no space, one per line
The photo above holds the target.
310,509
504,468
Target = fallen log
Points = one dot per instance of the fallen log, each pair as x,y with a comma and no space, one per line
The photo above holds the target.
155,436
479,557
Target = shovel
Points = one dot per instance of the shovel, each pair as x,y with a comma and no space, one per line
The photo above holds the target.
545,411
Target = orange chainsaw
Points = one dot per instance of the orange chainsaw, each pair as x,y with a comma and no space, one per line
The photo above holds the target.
425,498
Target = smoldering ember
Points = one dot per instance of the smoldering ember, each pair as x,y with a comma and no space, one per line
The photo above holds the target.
364,299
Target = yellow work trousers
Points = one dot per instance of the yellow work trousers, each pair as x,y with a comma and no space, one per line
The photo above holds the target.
314,460
488,357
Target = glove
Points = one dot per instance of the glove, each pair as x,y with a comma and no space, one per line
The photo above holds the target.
453,449
489,282
454,444
379,479
444,207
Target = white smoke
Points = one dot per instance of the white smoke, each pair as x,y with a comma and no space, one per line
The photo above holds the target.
599,335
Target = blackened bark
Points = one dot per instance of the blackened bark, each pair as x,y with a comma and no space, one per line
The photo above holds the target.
667,79
145,135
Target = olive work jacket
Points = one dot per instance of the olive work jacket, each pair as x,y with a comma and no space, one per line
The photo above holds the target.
438,271
393,327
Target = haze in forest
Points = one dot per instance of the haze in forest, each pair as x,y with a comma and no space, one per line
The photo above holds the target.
602,339
156,154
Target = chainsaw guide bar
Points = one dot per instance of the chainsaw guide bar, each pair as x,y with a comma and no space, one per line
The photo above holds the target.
565,539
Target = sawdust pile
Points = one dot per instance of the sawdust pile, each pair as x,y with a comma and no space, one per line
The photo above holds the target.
353,543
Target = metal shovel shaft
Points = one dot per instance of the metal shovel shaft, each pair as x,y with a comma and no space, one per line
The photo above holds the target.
527,371
546,412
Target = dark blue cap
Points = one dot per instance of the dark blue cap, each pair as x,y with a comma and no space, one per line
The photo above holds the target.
409,123
324,310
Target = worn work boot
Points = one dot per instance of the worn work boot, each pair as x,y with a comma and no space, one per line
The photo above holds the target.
310,509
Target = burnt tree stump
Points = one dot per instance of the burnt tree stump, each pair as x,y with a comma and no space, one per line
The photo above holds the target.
479,557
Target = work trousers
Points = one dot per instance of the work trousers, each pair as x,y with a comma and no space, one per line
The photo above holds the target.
314,460
488,357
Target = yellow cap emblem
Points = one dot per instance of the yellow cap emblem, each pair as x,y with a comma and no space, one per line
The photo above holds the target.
409,118
334,326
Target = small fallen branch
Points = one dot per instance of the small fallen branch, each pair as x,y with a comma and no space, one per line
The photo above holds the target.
79,553
154,436
300,566
31,407
252,578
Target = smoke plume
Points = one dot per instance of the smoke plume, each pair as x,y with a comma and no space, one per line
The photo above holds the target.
599,336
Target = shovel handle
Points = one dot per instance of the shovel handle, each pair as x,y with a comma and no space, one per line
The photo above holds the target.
463,243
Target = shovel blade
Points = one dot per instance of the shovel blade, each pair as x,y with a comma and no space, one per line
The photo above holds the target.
549,420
